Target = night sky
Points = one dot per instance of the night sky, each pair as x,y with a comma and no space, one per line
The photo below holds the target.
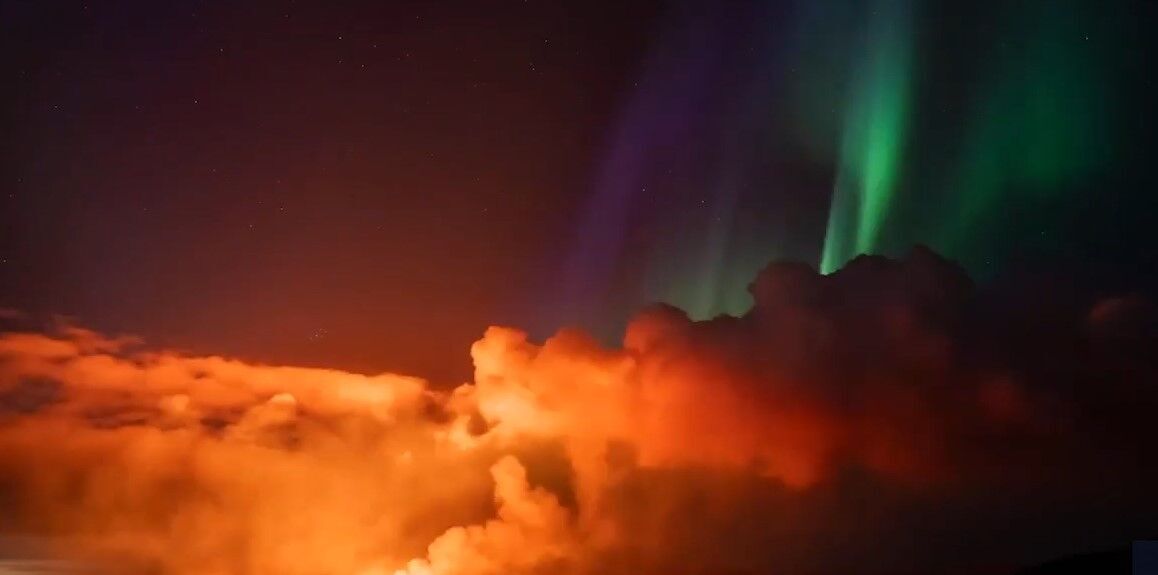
313,219
368,185
299,181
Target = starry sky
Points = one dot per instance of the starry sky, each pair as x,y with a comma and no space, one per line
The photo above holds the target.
299,181
368,186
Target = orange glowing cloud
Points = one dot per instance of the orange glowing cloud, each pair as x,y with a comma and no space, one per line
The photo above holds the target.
687,450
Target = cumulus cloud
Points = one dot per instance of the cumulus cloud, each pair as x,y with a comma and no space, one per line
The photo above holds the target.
890,415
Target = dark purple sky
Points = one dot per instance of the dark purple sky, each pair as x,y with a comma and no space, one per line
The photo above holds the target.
298,181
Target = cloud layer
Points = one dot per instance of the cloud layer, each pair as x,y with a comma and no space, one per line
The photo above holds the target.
891,416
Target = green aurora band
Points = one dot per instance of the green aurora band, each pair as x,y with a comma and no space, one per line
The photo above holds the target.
1039,122
873,140
981,130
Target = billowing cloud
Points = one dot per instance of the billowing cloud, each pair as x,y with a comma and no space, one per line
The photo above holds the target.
890,415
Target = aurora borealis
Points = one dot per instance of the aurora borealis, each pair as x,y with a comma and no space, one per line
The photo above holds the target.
985,140
565,167
1037,116
873,138
577,287
1041,118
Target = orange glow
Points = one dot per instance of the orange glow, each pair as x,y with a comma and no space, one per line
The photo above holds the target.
564,457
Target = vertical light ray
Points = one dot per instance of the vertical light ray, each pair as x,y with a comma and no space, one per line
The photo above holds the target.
872,144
